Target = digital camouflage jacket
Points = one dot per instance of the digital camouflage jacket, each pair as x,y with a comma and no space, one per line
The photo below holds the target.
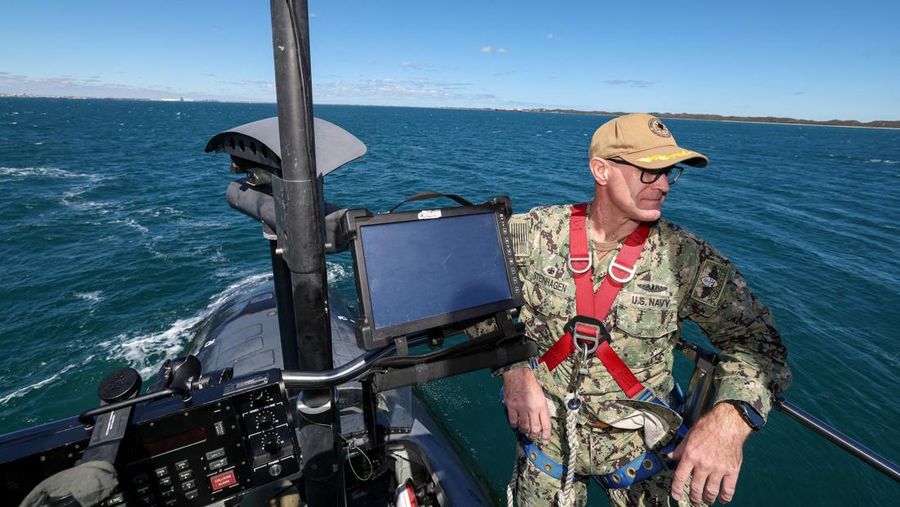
678,277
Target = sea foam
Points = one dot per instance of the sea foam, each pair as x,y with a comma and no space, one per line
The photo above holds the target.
146,352
336,272
53,172
91,297
18,393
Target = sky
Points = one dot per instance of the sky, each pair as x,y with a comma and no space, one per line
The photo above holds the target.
817,60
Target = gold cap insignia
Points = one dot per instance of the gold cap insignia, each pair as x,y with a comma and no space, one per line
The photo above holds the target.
658,127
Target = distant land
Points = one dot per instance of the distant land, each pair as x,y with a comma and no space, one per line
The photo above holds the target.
888,124
81,97
885,124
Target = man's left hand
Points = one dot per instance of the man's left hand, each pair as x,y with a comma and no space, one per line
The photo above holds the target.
710,456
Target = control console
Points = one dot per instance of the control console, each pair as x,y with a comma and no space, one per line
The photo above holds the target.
223,440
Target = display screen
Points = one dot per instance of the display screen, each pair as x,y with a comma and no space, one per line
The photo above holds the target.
424,268
177,441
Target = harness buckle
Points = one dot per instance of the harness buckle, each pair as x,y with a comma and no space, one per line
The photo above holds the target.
629,272
587,333
588,262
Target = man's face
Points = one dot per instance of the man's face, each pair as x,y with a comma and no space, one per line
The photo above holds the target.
636,200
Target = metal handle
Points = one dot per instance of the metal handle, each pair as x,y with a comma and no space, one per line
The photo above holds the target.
868,456
700,391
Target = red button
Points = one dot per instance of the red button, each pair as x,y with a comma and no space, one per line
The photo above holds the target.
222,480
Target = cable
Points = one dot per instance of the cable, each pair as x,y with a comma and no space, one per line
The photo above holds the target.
353,445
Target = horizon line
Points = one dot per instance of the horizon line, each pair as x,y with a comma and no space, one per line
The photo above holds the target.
773,120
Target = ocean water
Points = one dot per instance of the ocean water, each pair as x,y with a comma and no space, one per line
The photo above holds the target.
117,240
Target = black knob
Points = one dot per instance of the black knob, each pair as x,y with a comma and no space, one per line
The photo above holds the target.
272,445
264,420
119,385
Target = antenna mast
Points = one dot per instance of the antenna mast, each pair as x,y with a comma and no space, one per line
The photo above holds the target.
299,208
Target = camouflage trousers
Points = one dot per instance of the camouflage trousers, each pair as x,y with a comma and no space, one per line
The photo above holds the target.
600,451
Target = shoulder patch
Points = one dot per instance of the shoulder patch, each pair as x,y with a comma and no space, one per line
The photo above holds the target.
710,284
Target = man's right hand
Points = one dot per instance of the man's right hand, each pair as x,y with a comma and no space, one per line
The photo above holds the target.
526,405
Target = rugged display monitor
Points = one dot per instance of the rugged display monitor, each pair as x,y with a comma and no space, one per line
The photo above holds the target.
421,270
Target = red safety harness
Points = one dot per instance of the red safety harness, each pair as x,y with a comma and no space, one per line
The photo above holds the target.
586,330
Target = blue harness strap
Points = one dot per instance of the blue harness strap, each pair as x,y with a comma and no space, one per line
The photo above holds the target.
640,468
541,461
644,466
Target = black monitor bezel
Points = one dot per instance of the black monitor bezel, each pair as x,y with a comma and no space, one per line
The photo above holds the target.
367,336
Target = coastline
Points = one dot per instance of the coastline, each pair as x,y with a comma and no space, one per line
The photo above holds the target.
806,124
763,120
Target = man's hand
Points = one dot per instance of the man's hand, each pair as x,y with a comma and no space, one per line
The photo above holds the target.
525,404
86,484
710,456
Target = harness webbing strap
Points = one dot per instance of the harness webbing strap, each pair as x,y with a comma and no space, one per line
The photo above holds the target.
646,465
619,370
597,305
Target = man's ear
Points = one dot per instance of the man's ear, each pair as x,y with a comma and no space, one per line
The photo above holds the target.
600,170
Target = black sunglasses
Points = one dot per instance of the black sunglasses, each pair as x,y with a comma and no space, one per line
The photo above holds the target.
672,173
647,176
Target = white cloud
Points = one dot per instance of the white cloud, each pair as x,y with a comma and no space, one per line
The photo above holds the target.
486,49
411,92
259,84
501,50
416,66
634,83
549,35
68,86
426,92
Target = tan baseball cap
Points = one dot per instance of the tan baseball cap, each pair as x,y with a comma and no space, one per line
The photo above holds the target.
642,140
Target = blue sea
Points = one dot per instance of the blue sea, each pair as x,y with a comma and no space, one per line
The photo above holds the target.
117,240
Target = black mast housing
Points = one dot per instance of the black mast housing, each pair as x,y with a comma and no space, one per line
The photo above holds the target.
299,210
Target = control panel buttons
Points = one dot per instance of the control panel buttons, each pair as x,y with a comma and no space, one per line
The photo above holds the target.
217,464
215,454
223,480
117,499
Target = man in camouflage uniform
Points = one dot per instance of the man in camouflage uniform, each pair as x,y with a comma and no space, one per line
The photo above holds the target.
678,276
